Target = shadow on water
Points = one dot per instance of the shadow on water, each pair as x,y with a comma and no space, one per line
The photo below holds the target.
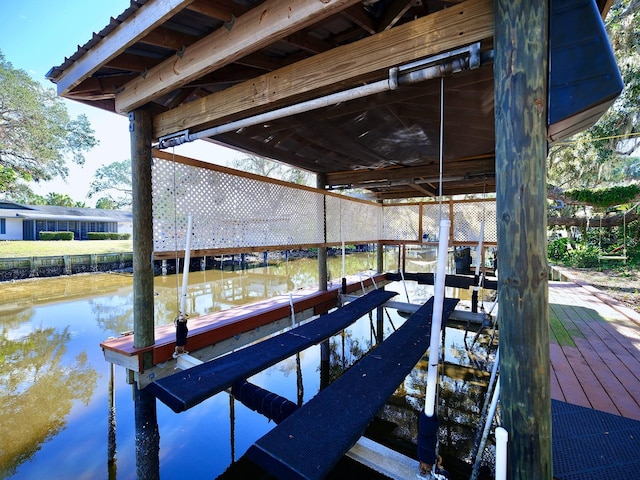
56,387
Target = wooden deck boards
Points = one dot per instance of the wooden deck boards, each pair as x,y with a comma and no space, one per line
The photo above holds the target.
595,350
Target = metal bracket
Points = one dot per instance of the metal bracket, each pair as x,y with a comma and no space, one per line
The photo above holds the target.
173,139
393,78
180,52
470,51
229,24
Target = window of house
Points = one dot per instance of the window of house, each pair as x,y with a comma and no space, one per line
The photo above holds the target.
3,226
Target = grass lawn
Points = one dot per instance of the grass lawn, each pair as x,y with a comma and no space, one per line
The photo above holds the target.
40,248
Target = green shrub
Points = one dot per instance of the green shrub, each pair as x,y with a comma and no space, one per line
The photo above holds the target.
557,249
584,256
108,236
55,235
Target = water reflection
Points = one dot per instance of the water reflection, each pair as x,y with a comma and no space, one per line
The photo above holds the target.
38,388
60,395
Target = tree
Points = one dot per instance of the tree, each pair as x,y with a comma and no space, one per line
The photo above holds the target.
60,200
603,155
105,204
272,169
113,180
37,136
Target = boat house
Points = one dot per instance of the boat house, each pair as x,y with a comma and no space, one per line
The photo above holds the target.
410,101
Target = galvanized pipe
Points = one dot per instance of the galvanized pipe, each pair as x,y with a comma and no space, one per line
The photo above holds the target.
404,75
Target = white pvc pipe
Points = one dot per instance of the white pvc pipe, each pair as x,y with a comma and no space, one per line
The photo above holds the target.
185,270
293,310
502,438
404,284
436,319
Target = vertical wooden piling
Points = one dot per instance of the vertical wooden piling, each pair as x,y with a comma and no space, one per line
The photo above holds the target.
323,275
140,126
521,68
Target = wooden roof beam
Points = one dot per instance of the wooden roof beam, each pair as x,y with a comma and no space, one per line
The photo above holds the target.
342,67
259,27
358,15
476,164
169,39
153,14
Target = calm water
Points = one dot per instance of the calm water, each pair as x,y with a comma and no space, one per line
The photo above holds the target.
67,414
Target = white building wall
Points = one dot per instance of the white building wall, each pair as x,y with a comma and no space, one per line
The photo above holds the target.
13,229
125,227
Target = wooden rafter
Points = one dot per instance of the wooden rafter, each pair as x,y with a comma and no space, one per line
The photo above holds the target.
224,12
393,13
255,29
134,28
169,39
343,66
479,165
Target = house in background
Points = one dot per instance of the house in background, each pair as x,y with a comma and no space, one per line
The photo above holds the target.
25,222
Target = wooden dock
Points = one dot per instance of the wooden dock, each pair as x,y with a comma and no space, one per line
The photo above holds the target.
595,350
220,332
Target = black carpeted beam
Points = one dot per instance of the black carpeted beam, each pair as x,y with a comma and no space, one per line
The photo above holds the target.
190,387
309,443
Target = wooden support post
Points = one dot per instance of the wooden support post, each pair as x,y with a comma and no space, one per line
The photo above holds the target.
323,275
521,69
147,435
140,126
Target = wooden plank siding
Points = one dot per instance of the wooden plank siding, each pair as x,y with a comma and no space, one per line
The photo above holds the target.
594,350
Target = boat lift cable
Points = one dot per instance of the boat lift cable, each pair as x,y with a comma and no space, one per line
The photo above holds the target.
429,423
458,60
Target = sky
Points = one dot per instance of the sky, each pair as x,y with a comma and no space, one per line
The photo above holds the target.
37,35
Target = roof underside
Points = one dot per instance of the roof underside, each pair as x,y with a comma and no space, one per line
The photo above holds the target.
204,63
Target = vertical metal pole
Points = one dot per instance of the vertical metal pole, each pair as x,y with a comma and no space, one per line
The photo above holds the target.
521,72
140,126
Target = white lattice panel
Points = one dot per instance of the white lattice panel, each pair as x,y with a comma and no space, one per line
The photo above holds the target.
467,218
351,221
401,222
431,215
230,211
